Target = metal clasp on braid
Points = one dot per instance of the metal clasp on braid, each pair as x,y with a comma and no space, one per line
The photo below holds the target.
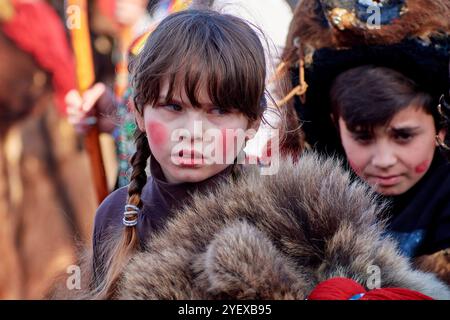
130,215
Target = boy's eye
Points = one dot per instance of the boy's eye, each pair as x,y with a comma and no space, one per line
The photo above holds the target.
403,136
363,138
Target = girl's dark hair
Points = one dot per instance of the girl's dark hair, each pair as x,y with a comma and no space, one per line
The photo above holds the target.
190,48
196,47
370,96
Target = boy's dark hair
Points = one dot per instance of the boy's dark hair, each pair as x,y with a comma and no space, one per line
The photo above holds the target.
369,96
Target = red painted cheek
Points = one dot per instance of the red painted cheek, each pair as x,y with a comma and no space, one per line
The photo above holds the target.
157,133
421,168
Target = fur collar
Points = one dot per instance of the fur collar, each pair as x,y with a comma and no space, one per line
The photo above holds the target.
273,237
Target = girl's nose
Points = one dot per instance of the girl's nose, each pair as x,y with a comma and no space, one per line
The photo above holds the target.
195,125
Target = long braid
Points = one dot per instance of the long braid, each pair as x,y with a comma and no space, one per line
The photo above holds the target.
128,243
139,163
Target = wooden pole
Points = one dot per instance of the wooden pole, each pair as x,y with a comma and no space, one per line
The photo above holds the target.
81,44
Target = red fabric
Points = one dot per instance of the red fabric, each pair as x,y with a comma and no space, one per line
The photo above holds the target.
344,289
37,29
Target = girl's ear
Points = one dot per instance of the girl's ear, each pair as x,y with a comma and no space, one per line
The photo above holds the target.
140,121
254,124
137,115
252,128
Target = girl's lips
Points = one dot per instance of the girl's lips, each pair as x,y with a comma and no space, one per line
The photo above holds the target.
188,158
189,162
192,154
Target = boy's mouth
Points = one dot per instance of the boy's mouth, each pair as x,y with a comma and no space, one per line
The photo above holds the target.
384,181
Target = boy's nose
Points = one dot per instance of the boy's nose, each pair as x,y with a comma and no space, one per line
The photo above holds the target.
384,157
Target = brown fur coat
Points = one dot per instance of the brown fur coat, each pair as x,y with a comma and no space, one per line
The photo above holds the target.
272,237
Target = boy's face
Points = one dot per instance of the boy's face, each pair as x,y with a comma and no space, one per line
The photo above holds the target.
192,144
394,157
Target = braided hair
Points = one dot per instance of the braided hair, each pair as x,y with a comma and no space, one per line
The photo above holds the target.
118,254
191,44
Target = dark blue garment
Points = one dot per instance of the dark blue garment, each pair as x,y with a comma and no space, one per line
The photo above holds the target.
420,218
409,242
159,199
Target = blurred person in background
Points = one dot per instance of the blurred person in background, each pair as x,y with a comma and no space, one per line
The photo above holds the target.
46,191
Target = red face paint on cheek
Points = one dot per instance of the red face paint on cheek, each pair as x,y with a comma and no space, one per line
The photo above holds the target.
421,168
157,133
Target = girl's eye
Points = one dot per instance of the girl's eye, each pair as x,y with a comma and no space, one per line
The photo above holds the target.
172,107
219,111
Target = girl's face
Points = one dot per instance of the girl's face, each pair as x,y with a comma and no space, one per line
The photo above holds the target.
394,157
192,144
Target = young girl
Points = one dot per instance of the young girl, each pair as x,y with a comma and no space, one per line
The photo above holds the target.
390,135
199,73
99,98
